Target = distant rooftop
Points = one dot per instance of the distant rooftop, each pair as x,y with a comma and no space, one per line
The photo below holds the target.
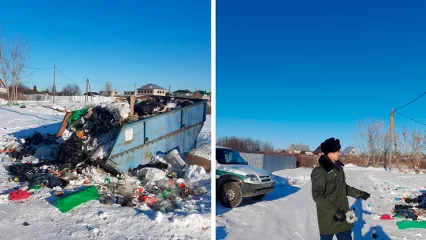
151,86
299,147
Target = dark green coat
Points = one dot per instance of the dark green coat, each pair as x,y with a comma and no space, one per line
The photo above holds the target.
330,191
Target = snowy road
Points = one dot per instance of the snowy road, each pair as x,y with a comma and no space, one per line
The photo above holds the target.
289,212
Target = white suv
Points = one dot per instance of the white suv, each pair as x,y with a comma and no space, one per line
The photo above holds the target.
235,179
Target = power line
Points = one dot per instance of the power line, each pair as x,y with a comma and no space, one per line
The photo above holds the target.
68,77
26,65
410,118
411,101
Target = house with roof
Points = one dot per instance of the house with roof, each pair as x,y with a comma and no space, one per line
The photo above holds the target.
183,93
151,90
91,94
129,93
299,148
350,151
2,87
109,93
318,151
202,95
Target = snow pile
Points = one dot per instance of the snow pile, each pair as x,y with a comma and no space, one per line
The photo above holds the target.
289,210
194,173
119,110
203,151
3,102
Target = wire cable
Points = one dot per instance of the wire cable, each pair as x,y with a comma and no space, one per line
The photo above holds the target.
26,65
410,118
411,101
68,77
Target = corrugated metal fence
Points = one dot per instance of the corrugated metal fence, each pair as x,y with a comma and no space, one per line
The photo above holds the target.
270,163
254,159
44,97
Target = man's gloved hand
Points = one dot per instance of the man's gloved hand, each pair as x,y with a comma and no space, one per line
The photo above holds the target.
363,195
339,216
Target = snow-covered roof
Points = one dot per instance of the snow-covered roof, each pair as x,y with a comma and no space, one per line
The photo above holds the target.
151,86
300,147
347,150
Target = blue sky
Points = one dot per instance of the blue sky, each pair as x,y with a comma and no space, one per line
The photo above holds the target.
124,42
303,71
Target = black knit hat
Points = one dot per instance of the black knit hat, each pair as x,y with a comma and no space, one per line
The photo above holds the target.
330,145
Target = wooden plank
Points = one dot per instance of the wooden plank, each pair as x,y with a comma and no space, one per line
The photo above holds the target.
192,159
64,124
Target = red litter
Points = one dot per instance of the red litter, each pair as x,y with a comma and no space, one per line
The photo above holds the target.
386,217
19,195
182,185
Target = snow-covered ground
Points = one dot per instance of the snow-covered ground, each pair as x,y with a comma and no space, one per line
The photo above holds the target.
38,218
289,211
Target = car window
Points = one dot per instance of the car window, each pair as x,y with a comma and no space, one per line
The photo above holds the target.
228,156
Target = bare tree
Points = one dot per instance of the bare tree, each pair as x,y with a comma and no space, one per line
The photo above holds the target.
247,145
71,90
108,86
371,140
412,145
383,145
17,67
4,64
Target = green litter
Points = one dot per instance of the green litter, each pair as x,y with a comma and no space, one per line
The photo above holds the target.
36,187
69,202
166,193
411,224
77,115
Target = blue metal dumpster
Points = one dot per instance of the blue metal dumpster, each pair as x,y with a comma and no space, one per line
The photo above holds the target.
139,141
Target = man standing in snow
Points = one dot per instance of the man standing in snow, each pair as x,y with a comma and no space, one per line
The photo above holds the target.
330,191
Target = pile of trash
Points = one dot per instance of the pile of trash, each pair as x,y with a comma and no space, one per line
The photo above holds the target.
414,209
162,185
91,131
156,105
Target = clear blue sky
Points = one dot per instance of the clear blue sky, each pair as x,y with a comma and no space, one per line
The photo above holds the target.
303,71
124,42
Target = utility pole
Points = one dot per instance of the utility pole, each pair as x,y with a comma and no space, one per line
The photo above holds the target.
90,90
134,90
87,90
54,82
394,141
390,137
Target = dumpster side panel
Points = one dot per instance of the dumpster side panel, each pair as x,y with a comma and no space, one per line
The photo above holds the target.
130,136
162,125
137,142
127,160
190,138
195,114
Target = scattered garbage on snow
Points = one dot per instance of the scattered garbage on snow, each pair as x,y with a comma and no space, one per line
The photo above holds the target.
75,159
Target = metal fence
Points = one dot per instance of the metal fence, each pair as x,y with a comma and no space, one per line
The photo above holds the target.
254,159
270,163
44,97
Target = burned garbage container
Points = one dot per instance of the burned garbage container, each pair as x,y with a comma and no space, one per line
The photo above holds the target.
106,136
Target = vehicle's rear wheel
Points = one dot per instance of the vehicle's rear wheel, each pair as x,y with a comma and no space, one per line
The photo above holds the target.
231,195
258,197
